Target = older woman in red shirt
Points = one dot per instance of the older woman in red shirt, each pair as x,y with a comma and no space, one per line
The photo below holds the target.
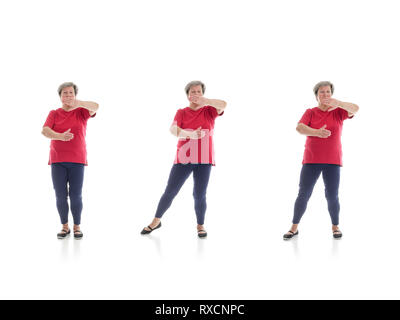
66,127
194,126
323,153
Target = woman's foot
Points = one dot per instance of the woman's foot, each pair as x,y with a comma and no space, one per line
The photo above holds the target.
337,234
64,232
155,224
291,233
77,232
201,232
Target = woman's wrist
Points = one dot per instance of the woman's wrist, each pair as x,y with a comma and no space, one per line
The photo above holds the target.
185,134
314,132
207,102
58,136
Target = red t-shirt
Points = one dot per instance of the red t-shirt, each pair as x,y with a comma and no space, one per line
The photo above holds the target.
324,150
196,150
60,121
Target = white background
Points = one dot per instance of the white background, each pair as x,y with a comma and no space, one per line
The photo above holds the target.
263,58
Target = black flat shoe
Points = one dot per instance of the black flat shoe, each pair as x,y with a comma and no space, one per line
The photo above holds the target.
63,234
144,231
337,234
290,235
202,233
78,234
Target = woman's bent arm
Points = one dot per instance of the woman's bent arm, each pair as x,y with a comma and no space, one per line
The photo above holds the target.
51,134
308,131
181,133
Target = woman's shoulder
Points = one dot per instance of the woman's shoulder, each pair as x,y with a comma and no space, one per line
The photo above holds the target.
309,110
53,112
56,110
183,110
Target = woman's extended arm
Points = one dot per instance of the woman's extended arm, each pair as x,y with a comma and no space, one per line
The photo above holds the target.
51,134
306,130
220,105
351,108
92,107
89,105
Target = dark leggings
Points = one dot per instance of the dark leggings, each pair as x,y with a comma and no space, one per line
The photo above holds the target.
179,174
64,174
308,177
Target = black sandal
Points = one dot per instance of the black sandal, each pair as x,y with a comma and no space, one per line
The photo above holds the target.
78,234
63,234
144,231
291,235
337,235
202,233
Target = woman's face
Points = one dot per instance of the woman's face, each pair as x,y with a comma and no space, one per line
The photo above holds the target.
67,95
324,93
195,91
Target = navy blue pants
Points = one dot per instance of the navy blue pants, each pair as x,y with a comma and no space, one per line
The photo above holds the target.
179,174
68,181
308,177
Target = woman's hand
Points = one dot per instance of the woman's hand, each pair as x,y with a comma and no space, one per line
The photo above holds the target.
199,100
73,104
197,134
187,134
67,135
332,103
322,132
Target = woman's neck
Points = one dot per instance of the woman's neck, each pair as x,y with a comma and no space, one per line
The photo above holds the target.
66,107
323,107
194,106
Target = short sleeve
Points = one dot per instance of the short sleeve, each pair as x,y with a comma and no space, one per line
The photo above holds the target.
50,120
343,114
212,112
86,114
178,119
306,118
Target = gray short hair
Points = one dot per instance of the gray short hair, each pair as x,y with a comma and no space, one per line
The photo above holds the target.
66,85
323,84
195,83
